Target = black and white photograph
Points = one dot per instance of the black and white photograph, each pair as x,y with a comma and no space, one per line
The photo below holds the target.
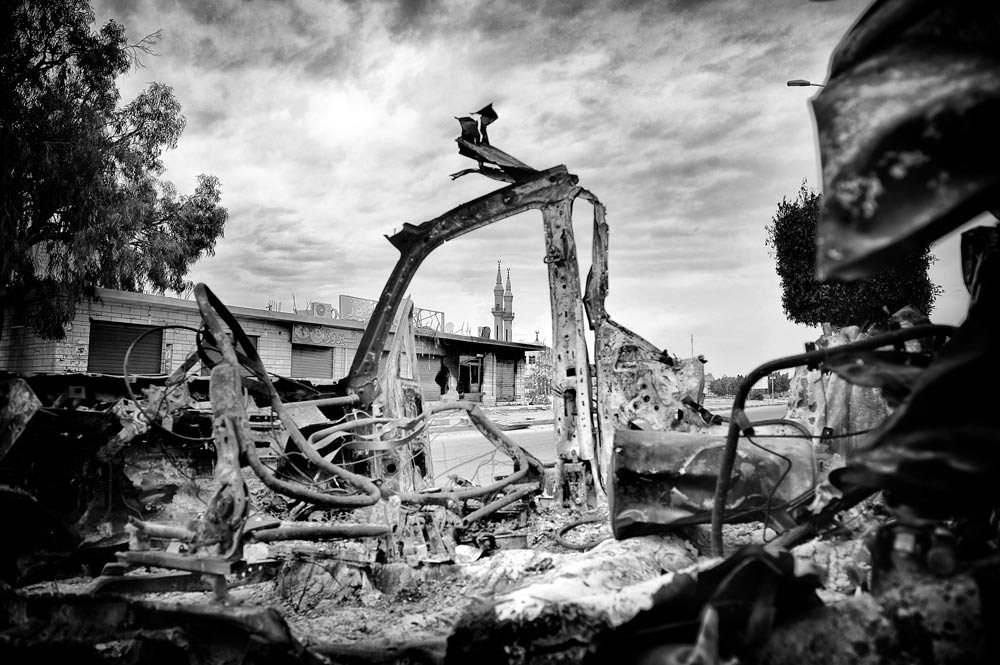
520,332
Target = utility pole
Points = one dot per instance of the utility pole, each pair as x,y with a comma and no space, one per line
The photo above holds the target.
692,345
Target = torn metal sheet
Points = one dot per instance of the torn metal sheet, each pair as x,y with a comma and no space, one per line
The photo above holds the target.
661,480
403,468
976,246
81,627
907,132
638,385
18,404
571,375
415,242
945,435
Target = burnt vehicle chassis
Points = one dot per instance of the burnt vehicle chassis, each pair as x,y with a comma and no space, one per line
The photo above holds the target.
89,515
372,421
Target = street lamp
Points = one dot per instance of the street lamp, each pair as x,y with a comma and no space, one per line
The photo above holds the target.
803,82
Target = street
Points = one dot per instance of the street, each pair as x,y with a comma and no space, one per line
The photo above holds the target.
466,453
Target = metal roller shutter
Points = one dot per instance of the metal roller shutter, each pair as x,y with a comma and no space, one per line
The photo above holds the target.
312,362
427,369
340,362
505,380
109,342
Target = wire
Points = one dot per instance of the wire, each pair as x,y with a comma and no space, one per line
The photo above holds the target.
464,461
814,357
807,437
212,310
811,436
583,547
774,489
166,389
128,351
491,460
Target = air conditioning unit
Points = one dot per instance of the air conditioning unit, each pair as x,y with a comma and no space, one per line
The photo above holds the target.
322,309
484,331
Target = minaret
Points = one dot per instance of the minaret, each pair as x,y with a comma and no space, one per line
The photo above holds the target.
508,310
498,311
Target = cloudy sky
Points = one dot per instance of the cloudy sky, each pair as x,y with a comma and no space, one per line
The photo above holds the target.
330,124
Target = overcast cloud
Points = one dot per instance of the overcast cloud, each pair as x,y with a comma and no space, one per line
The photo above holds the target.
330,124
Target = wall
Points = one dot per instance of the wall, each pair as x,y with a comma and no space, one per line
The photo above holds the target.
520,369
489,378
21,351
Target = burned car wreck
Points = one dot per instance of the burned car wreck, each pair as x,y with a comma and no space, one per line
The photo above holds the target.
138,507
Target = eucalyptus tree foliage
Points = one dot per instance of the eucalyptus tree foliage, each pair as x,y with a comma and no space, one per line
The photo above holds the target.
864,302
82,203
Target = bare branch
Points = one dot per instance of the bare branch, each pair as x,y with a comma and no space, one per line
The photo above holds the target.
144,45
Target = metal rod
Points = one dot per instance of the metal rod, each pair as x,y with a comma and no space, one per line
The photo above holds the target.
494,506
320,532
810,357
345,400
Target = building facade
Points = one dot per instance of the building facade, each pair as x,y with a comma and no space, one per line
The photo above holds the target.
158,332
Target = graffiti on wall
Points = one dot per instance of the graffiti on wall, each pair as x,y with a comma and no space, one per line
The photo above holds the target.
323,336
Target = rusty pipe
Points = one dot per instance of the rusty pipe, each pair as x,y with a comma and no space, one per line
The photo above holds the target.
415,243
320,532
343,400
444,498
494,506
212,309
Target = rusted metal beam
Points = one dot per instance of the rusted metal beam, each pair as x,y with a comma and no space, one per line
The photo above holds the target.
403,467
163,531
571,378
343,400
320,532
369,494
490,430
254,573
494,506
208,564
416,242
220,527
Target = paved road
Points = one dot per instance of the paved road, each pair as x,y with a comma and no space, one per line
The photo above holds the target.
466,453
762,412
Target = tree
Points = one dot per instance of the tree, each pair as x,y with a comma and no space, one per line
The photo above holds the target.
727,386
792,237
81,200
780,382
538,383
